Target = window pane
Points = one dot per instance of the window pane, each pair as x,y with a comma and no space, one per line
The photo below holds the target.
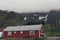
21,32
32,32
14,32
9,33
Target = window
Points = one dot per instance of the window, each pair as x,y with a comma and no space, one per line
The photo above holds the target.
9,33
32,32
21,32
14,32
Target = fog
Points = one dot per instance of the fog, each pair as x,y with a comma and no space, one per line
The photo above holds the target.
29,5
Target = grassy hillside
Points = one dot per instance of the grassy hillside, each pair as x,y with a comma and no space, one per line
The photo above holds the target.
52,30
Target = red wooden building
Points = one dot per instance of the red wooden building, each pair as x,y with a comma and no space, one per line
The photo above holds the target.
29,31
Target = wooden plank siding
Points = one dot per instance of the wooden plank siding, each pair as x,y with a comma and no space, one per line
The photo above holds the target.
25,34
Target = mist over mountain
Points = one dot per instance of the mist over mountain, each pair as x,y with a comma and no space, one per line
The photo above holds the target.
30,5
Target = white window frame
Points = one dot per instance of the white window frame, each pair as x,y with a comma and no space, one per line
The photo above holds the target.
21,32
9,33
32,32
15,32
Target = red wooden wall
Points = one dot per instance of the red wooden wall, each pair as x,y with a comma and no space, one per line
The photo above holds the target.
19,35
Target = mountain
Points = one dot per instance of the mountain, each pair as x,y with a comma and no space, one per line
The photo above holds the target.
11,18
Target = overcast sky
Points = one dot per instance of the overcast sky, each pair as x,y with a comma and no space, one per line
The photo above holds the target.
29,5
